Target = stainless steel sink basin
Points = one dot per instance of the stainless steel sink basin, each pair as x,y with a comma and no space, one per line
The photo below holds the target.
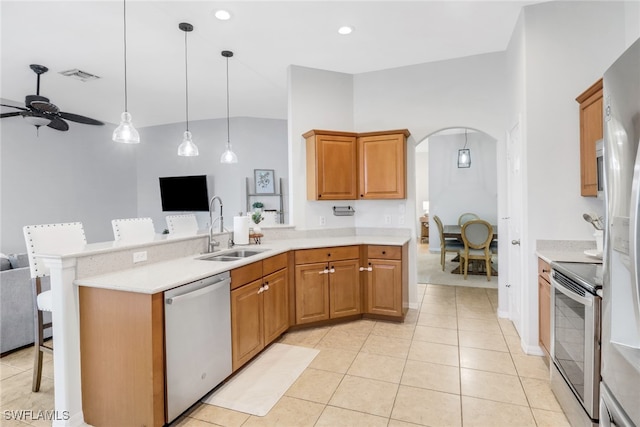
232,255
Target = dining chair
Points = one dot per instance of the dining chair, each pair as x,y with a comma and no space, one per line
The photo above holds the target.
42,239
183,224
446,245
466,217
133,230
477,235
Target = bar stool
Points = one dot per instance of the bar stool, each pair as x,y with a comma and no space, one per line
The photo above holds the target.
132,230
183,224
55,239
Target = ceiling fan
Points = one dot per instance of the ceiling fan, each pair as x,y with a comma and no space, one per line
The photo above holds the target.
40,112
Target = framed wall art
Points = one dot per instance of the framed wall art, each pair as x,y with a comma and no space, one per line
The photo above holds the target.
265,181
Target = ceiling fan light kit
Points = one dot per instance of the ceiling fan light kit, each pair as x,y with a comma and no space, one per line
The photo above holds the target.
125,133
187,148
228,156
38,111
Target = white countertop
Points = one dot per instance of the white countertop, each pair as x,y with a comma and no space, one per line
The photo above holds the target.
158,277
550,255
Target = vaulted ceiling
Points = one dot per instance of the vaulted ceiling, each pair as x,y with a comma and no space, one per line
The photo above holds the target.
265,36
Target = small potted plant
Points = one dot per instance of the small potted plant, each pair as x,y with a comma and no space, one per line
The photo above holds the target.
256,217
257,206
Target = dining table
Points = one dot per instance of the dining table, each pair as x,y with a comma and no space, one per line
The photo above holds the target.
455,231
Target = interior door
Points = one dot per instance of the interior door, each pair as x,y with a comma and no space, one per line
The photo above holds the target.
514,195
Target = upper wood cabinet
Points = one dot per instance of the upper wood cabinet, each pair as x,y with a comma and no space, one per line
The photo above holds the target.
349,166
331,165
382,165
590,132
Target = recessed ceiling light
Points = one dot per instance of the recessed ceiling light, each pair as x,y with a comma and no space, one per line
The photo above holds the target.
345,30
222,15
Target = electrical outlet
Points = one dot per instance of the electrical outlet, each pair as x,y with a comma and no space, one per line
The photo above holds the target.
322,220
401,208
387,219
139,256
401,220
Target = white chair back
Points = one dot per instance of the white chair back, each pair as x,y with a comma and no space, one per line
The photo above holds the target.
51,239
133,230
477,233
466,217
182,224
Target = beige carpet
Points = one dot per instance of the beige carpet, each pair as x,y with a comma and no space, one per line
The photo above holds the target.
261,383
430,271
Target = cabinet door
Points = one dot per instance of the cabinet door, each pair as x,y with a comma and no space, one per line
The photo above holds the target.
276,305
344,288
384,287
590,132
331,168
247,328
544,314
312,292
382,166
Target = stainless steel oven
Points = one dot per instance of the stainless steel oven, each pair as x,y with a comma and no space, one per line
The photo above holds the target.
575,340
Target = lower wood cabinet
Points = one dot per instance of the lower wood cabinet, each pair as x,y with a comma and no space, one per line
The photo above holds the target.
259,307
544,306
327,283
385,281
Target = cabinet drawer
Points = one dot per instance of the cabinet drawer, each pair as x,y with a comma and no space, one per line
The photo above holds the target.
384,252
307,256
242,275
273,264
544,270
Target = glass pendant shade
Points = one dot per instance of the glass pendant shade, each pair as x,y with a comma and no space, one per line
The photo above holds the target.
187,148
464,158
228,156
125,132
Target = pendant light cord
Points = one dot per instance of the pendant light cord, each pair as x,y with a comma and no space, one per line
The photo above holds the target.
186,78
125,55
228,138
465,139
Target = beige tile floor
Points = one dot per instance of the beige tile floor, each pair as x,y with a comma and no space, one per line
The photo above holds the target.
451,363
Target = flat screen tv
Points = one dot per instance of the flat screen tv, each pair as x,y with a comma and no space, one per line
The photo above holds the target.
184,193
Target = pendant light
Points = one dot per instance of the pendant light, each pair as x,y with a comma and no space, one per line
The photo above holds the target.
187,148
228,156
125,132
464,154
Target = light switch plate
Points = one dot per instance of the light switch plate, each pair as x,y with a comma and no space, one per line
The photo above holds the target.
139,256
387,219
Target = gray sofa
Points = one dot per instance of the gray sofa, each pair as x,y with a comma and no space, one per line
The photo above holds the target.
16,303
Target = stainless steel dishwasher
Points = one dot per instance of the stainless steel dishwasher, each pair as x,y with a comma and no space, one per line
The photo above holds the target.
197,327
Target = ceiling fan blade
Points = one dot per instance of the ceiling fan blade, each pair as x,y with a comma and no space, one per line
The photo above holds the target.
57,123
13,106
80,119
15,113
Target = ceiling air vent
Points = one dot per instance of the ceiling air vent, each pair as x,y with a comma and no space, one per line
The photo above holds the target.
79,75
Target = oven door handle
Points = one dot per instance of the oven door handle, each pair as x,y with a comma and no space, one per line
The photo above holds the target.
588,302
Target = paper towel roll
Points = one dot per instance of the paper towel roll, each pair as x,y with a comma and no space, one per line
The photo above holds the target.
241,230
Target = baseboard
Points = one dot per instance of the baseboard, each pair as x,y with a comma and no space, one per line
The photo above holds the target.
503,314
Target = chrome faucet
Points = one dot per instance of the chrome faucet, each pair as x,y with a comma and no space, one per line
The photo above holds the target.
213,243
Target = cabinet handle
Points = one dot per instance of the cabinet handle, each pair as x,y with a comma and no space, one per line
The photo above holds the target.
325,271
546,271
370,269
333,270
261,290
362,269
329,254
266,287
362,195
384,252
319,195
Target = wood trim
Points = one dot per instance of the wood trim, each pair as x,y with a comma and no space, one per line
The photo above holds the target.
307,256
590,91
544,269
404,132
274,263
122,357
315,132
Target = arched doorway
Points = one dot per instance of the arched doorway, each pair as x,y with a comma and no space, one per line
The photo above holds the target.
448,191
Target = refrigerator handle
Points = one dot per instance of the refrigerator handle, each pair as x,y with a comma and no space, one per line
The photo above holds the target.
634,251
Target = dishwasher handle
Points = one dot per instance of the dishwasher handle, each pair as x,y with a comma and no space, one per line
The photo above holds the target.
202,291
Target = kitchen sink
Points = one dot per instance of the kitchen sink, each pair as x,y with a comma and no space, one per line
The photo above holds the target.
231,256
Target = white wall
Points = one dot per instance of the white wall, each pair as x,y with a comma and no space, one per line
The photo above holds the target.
567,46
258,143
456,191
422,183
317,100
78,175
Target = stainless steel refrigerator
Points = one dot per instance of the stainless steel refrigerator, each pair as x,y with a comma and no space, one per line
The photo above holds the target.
620,386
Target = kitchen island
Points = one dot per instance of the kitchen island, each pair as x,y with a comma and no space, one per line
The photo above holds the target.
105,276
